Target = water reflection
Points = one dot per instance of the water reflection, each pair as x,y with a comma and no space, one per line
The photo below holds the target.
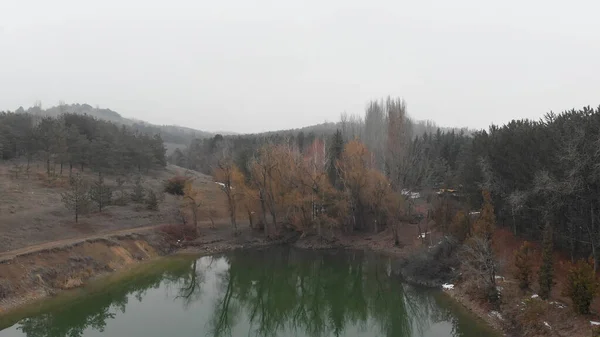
276,292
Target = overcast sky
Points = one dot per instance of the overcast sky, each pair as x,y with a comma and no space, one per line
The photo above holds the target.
254,65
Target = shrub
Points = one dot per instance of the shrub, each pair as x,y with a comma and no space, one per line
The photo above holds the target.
433,266
581,286
531,317
523,265
175,185
151,201
178,232
138,190
5,289
121,196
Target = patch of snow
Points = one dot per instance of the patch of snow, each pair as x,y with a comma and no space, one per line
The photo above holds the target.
535,296
547,325
423,235
474,213
447,286
594,323
218,183
410,194
496,314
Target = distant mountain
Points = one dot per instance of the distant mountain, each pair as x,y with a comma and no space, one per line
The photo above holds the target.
419,127
173,135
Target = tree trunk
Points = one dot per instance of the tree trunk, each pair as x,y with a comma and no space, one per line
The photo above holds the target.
250,218
48,166
195,215
61,167
263,213
70,169
514,222
274,219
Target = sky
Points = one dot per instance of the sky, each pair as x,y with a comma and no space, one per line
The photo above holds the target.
257,65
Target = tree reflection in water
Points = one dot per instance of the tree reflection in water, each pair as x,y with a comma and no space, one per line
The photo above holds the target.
317,294
273,292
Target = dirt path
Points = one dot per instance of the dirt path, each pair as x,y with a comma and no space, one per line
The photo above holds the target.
66,242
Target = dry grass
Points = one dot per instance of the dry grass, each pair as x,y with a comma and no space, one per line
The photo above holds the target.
32,212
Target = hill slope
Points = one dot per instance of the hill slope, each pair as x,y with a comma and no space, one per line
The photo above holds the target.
173,135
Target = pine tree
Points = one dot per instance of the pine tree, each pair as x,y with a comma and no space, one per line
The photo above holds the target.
100,194
546,273
121,199
152,201
581,286
460,227
523,265
138,190
77,197
485,225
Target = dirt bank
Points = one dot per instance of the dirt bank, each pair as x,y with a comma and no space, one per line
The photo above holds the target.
40,271
37,274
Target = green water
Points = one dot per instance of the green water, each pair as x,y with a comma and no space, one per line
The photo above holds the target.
275,292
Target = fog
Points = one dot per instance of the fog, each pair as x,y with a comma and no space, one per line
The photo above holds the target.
248,66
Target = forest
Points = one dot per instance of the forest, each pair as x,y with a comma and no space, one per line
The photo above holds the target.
537,173
76,141
370,173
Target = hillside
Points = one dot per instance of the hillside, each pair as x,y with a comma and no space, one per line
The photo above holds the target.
173,135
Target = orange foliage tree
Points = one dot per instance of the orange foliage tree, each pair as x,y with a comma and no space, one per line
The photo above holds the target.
232,183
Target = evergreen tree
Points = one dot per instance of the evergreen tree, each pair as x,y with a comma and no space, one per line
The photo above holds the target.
485,225
151,201
120,191
138,193
100,194
76,198
546,273
582,286
523,261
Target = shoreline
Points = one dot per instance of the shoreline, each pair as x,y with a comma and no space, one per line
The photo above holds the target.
113,254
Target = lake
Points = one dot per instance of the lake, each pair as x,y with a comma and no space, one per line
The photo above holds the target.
274,292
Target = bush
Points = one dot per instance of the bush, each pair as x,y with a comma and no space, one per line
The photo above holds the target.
5,289
178,232
151,201
431,267
581,286
175,185
138,191
531,317
523,265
